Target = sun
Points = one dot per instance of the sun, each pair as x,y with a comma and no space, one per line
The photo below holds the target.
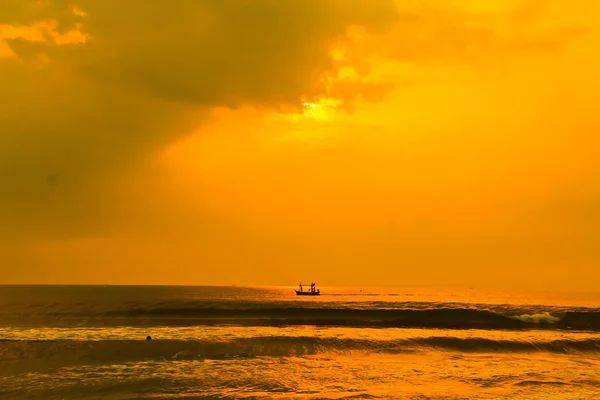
311,110
321,110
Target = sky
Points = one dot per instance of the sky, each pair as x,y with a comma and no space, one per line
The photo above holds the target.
436,143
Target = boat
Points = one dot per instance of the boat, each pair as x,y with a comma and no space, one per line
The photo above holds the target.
312,292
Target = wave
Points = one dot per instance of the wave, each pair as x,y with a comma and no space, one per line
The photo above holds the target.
443,318
542,318
186,312
107,351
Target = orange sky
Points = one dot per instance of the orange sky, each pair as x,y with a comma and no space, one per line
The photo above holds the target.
376,142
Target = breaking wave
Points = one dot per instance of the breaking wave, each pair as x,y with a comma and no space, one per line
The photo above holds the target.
107,351
443,318
543,318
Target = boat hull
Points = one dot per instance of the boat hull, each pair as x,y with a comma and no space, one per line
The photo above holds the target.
299,293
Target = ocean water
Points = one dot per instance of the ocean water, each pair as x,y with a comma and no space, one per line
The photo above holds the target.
89,342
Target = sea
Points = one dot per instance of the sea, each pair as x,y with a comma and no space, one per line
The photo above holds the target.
91,342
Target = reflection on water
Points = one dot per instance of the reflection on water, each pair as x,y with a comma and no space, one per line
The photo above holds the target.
426,375
51,296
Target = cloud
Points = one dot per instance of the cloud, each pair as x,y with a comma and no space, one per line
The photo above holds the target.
91,91
92,88
222,53
466,32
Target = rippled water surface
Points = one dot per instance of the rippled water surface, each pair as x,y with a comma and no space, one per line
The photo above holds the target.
63,342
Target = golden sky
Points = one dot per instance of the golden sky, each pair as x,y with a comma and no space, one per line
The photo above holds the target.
263,142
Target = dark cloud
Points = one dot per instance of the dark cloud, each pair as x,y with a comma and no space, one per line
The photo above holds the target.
145,75
228,52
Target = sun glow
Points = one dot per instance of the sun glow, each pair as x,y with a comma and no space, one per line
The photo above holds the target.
310,109
323,109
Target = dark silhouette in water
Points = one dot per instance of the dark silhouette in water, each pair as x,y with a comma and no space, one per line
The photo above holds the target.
148,337
312,292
